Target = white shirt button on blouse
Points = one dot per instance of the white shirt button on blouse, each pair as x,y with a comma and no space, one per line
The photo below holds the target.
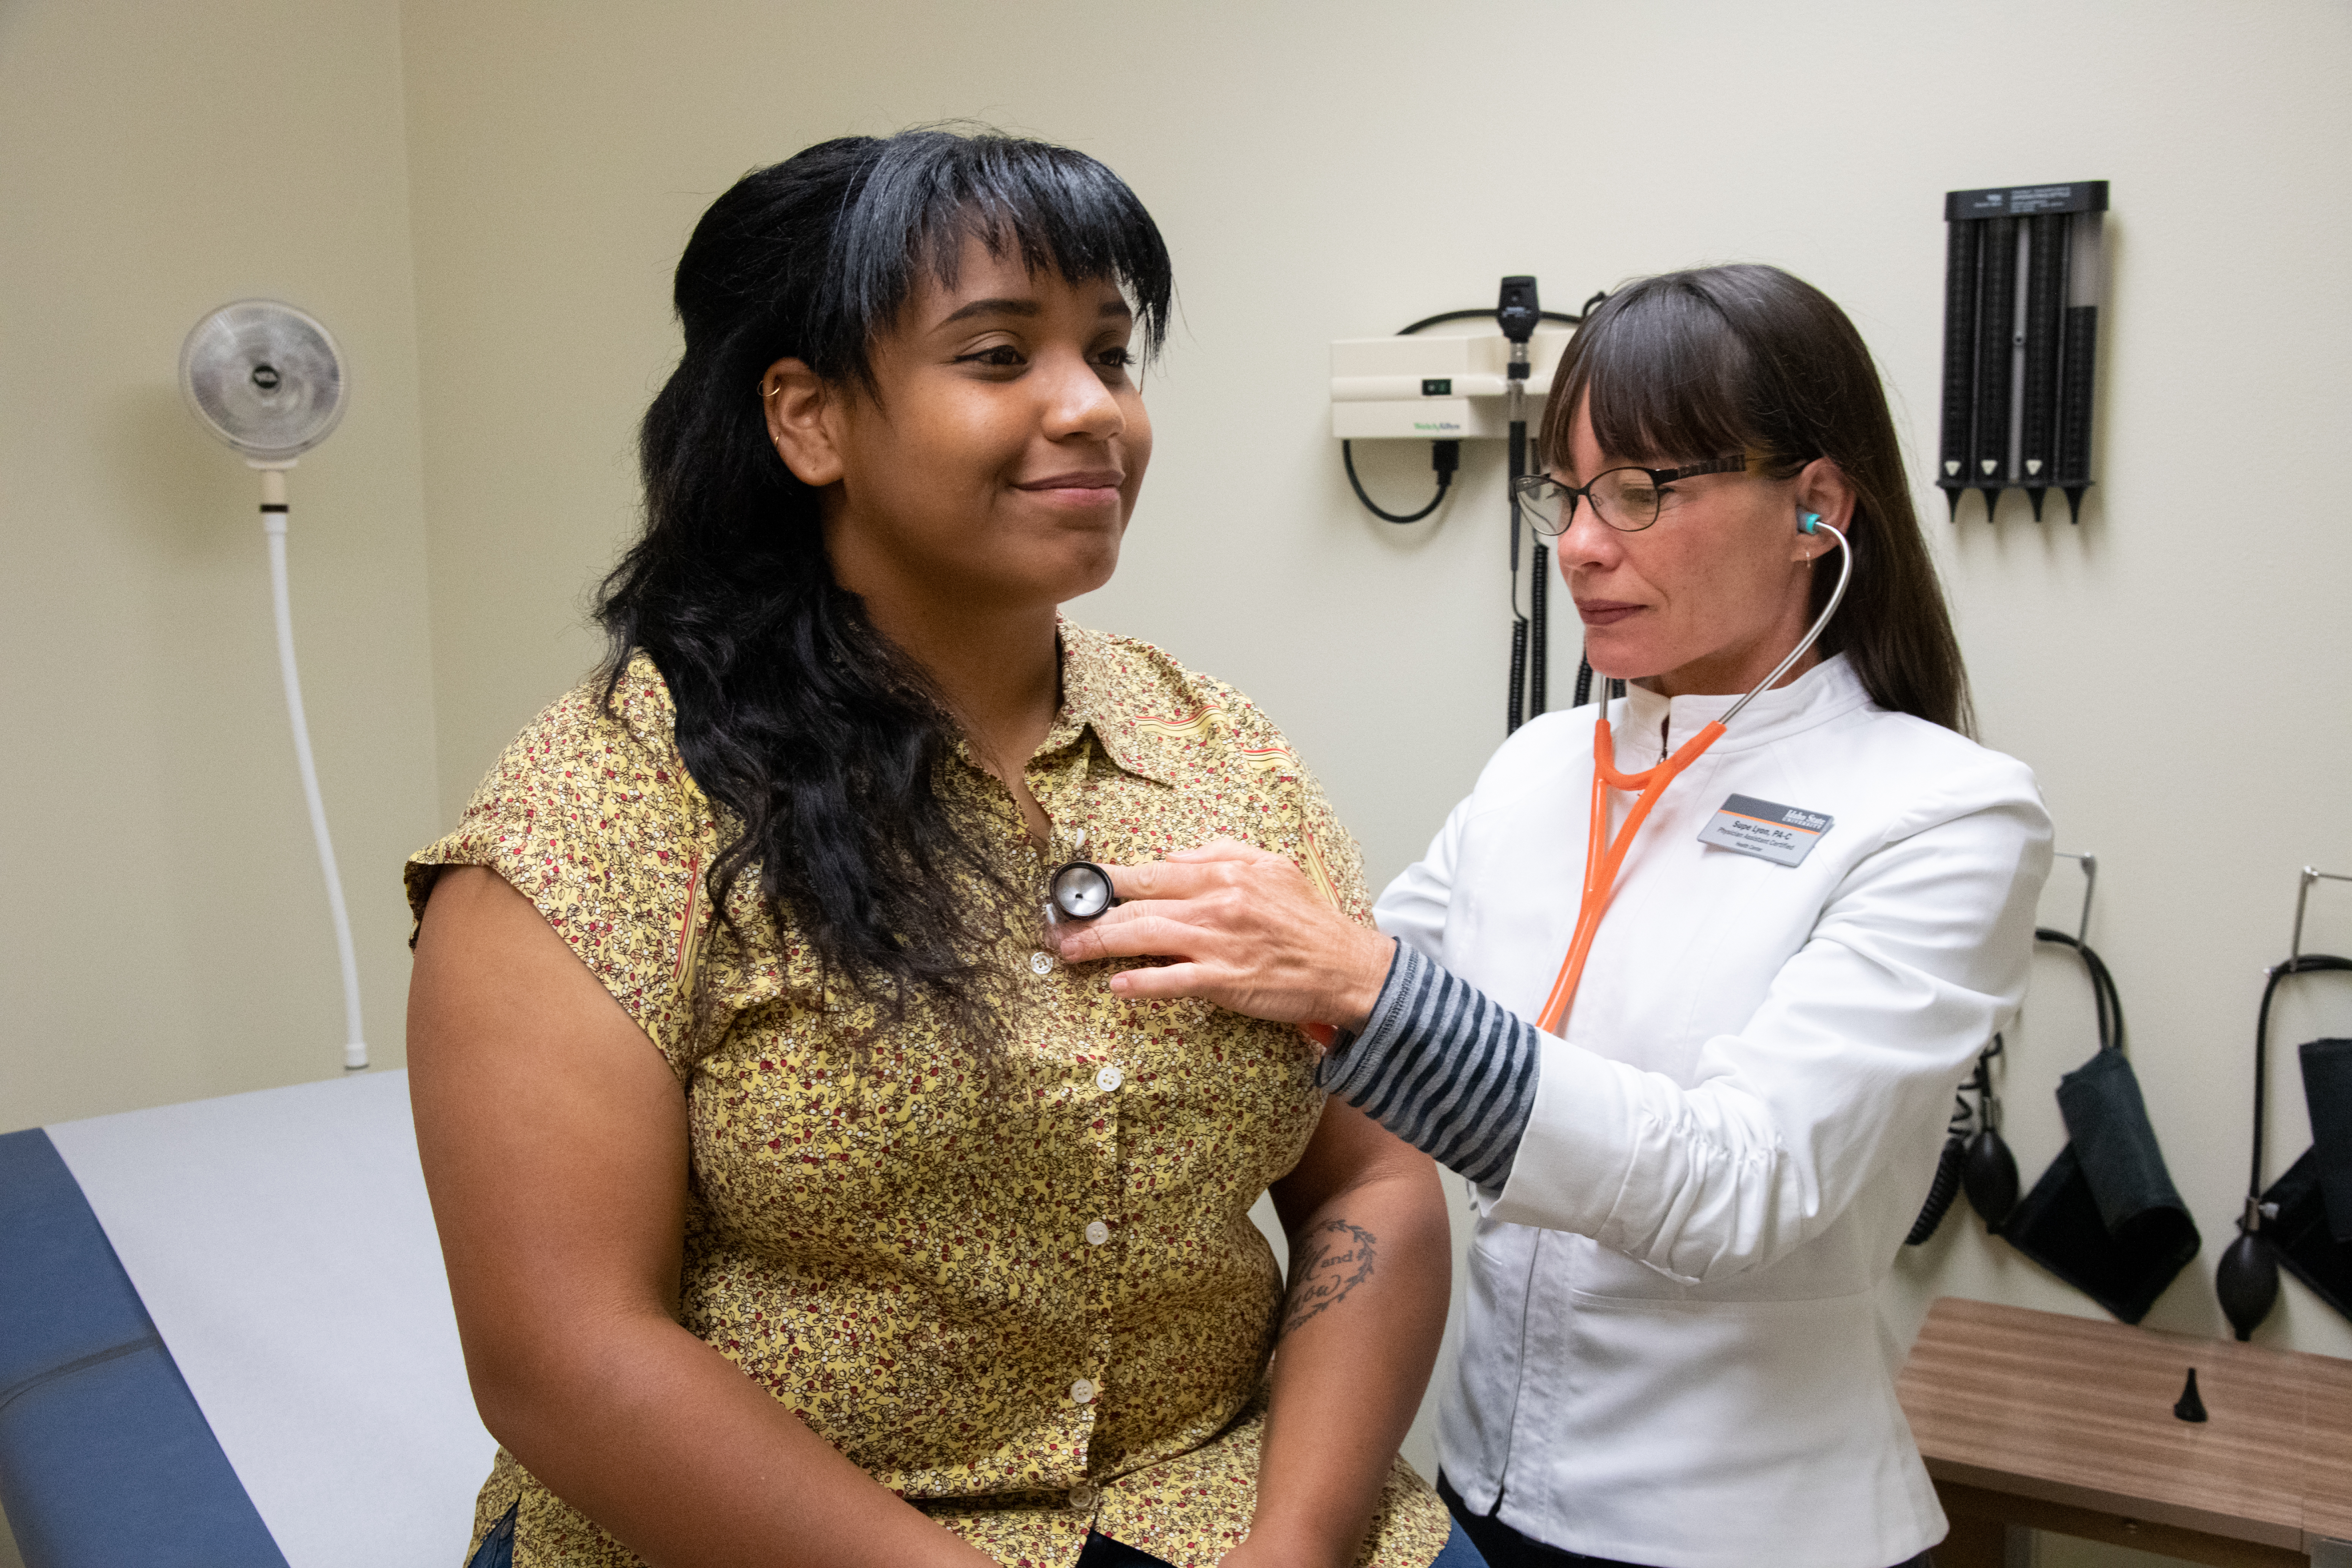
1082,1392
1096,1233
1108,1080
1040,964
1084,1497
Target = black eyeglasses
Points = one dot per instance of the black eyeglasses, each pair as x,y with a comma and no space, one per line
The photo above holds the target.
1627,499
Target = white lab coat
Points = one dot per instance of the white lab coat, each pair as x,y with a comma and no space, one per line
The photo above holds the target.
1672,1354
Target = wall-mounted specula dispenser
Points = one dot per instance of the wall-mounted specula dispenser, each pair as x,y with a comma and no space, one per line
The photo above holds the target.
2022,266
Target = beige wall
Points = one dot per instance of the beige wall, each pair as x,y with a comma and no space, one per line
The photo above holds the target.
165,933
1335,171
1326,171
1321,171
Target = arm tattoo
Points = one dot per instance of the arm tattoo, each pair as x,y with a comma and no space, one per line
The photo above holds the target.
1328,1263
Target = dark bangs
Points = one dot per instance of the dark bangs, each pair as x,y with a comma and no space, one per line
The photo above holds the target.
928,191
1666,377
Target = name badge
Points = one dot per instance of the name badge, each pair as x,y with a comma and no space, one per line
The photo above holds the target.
1783,835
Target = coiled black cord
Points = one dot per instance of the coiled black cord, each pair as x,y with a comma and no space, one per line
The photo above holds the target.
1443,456
1941,1191
1952,1164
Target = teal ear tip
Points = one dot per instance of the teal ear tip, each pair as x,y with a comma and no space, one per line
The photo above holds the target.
1809,521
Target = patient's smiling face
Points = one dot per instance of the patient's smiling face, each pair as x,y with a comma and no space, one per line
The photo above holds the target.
998,455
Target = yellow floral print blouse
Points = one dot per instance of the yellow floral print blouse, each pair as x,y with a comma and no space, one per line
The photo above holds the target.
1030,1303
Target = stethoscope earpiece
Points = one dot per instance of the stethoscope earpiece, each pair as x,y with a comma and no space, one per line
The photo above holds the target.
1081,891
1809,521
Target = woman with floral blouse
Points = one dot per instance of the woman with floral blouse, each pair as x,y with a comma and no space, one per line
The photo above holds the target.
800,1207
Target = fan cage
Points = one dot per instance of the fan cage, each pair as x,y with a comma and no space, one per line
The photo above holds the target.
265,378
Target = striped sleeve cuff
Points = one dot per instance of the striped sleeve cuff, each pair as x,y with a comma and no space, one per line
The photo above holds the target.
1443,1067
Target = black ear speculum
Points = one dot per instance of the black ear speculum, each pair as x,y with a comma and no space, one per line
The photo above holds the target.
2189,1407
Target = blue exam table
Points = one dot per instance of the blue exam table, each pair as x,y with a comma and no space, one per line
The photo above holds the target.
226,1339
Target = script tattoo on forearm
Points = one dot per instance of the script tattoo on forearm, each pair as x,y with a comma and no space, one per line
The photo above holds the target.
1328,1262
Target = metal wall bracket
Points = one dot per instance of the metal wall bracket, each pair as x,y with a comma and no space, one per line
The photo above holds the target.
2303,896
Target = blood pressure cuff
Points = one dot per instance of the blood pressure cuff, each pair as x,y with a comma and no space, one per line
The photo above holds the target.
2328,1091
2311,1205
2299,1231
2105,1216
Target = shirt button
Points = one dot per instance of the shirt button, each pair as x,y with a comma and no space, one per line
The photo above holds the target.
1108,1080
1082,1392
1040,964
1084,1497
1098,1233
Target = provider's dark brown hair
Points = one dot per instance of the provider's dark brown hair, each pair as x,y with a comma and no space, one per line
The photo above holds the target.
1691,365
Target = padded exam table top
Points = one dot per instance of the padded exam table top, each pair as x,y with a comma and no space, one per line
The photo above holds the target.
226,1338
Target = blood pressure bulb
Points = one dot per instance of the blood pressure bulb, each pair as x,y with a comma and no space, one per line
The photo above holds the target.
2246,1280
1990,1177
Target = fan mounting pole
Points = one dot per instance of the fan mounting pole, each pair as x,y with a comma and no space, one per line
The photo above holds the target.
273,524
268,381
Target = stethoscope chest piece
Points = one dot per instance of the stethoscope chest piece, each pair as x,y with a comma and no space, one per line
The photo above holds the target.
1080,891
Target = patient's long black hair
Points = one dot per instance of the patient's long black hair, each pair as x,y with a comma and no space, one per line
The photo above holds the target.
818,737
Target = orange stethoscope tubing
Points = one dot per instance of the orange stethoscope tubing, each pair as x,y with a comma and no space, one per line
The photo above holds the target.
1603,857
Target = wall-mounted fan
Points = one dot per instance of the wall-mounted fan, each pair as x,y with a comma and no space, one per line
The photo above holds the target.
268,381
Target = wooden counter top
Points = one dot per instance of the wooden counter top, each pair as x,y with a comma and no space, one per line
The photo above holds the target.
2078,1412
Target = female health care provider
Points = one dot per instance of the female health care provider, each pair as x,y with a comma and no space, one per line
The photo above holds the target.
1694,1174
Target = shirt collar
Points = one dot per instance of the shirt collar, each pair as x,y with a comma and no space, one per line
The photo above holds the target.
1821,693
1106,688
1103,693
